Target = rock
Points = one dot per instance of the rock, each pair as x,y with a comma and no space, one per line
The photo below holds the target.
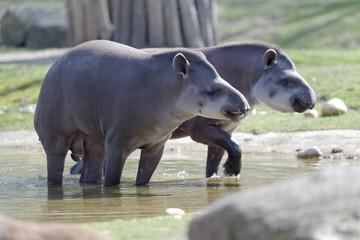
48,32
16,229
33,26
334,106
176,212
324,205
311,152
311,113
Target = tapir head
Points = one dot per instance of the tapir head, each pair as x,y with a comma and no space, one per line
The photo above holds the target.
281,87
204,92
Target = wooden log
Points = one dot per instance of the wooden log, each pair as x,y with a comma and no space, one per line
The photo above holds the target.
214,23
205,15
173,36
190,24
122,20
90,8
138,36
75,16
155,21
104,26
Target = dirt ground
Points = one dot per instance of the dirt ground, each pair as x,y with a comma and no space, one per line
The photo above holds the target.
287,143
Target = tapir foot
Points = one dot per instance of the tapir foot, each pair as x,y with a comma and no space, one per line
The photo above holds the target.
77,168
230,170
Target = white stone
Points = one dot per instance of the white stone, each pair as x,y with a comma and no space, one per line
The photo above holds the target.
311,152
311,113
334,106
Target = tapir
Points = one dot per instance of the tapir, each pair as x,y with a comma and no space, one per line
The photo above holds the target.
265,74
115,99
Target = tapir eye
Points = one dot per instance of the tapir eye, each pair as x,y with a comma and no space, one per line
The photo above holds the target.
213,92
210,93
285,82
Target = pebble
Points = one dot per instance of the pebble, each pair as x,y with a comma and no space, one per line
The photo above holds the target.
176,212
311,113
311,152
334,106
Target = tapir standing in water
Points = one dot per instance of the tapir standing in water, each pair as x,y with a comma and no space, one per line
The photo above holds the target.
115,99
265,74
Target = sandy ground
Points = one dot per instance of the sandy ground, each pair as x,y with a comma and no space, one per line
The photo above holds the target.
287,143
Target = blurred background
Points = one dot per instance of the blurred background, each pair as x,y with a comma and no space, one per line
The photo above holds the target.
191,23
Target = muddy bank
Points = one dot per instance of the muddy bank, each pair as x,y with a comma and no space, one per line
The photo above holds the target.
346,140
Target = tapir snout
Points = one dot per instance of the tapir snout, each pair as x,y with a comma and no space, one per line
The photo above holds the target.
303,100
235,111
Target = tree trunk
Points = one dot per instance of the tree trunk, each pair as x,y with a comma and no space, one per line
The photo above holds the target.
144,23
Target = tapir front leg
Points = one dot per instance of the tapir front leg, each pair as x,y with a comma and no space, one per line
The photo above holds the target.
149,160
214,156
214,136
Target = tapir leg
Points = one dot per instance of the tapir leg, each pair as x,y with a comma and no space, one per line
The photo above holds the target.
213,136
93,160
214,156
149,160
56,149
114,164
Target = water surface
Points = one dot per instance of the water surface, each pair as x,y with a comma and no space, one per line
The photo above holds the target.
178,182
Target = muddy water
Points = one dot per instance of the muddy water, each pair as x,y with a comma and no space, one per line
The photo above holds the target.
178,182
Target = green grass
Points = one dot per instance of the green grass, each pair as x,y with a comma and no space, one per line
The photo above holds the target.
160,228
294,24
19,87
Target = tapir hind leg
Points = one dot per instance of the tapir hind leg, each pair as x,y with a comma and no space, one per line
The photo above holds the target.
56,149
93,160
149,160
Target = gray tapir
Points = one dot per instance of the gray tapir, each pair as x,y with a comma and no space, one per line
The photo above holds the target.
114,99
264,73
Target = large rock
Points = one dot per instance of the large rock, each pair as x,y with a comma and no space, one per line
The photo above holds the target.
324,205
48,32
33,26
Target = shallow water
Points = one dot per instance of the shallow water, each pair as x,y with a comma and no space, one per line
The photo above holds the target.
178,182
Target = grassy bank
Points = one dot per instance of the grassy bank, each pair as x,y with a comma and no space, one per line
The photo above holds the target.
160,228
292,24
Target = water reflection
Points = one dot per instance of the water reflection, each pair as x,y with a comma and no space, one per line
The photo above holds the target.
178,182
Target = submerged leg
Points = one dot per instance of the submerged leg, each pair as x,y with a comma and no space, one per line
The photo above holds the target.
214,156
149,160
114,164
93,160
56,151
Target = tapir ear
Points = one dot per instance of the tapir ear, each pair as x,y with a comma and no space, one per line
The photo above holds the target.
270,58
181,64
